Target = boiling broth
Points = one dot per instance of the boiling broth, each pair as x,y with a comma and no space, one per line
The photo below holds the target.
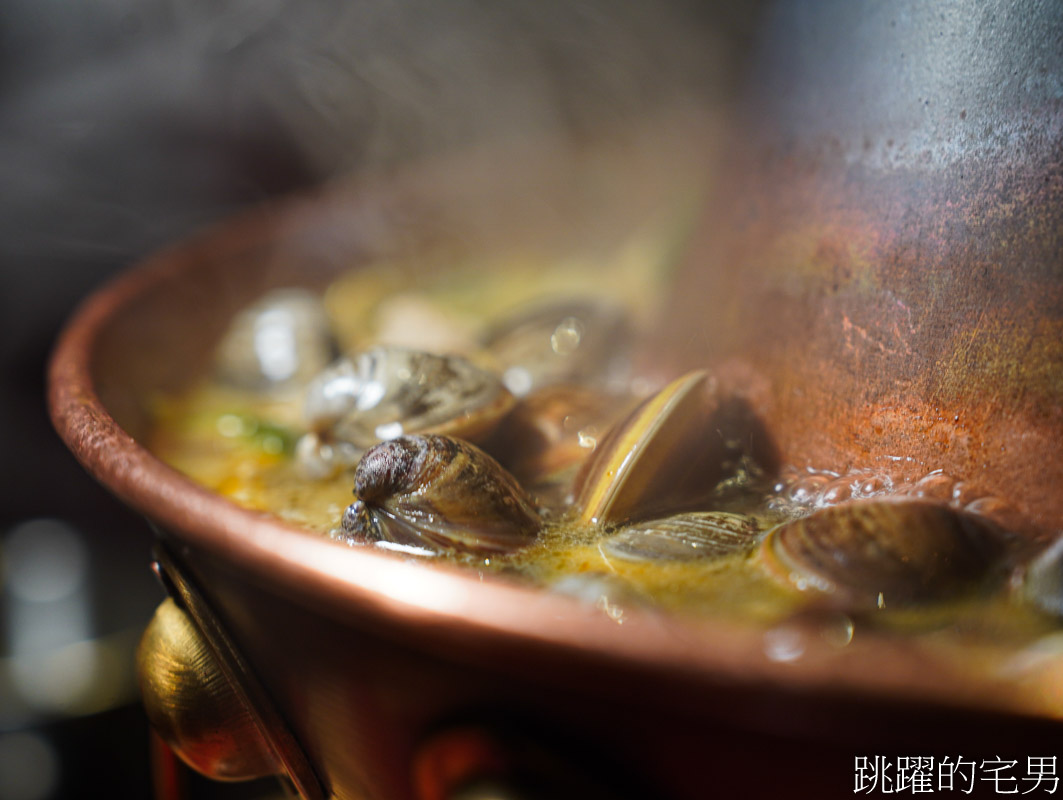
242,445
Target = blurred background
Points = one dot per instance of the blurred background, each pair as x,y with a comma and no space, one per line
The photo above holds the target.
128,124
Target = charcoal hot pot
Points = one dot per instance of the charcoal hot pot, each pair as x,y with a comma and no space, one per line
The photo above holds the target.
878,271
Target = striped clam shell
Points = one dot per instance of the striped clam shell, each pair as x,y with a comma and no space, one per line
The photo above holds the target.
885,553
694,536
438,493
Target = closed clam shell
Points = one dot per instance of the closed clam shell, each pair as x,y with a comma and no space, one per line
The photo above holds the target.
561,341
388,391
664,457
439,493
282,339
885,553
694,536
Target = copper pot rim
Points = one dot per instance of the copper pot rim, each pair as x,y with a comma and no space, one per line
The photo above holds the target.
438,608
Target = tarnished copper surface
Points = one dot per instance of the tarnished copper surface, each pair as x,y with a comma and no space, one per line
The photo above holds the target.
882,271
877,325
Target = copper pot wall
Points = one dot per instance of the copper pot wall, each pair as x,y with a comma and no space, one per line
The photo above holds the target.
885,265
880,278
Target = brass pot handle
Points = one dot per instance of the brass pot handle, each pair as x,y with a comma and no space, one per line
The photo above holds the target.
204,701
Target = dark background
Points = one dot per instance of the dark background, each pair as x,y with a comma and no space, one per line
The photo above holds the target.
126,125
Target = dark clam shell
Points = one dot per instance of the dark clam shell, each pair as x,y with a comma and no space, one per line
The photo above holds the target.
885,553
438,493
695,536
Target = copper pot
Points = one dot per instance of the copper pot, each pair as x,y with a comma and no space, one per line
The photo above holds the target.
867,304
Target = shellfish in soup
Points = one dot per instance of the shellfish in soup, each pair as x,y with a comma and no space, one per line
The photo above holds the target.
438,493
668,495
683,537
885,552
388,391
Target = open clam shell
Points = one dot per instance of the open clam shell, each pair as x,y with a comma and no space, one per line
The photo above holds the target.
664,457
885,553
438,493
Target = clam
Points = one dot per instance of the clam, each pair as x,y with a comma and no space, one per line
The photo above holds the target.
438,493
388,391
885,553
664,457
282,340
694,536
560,342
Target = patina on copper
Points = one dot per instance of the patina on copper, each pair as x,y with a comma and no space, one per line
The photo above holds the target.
882,273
